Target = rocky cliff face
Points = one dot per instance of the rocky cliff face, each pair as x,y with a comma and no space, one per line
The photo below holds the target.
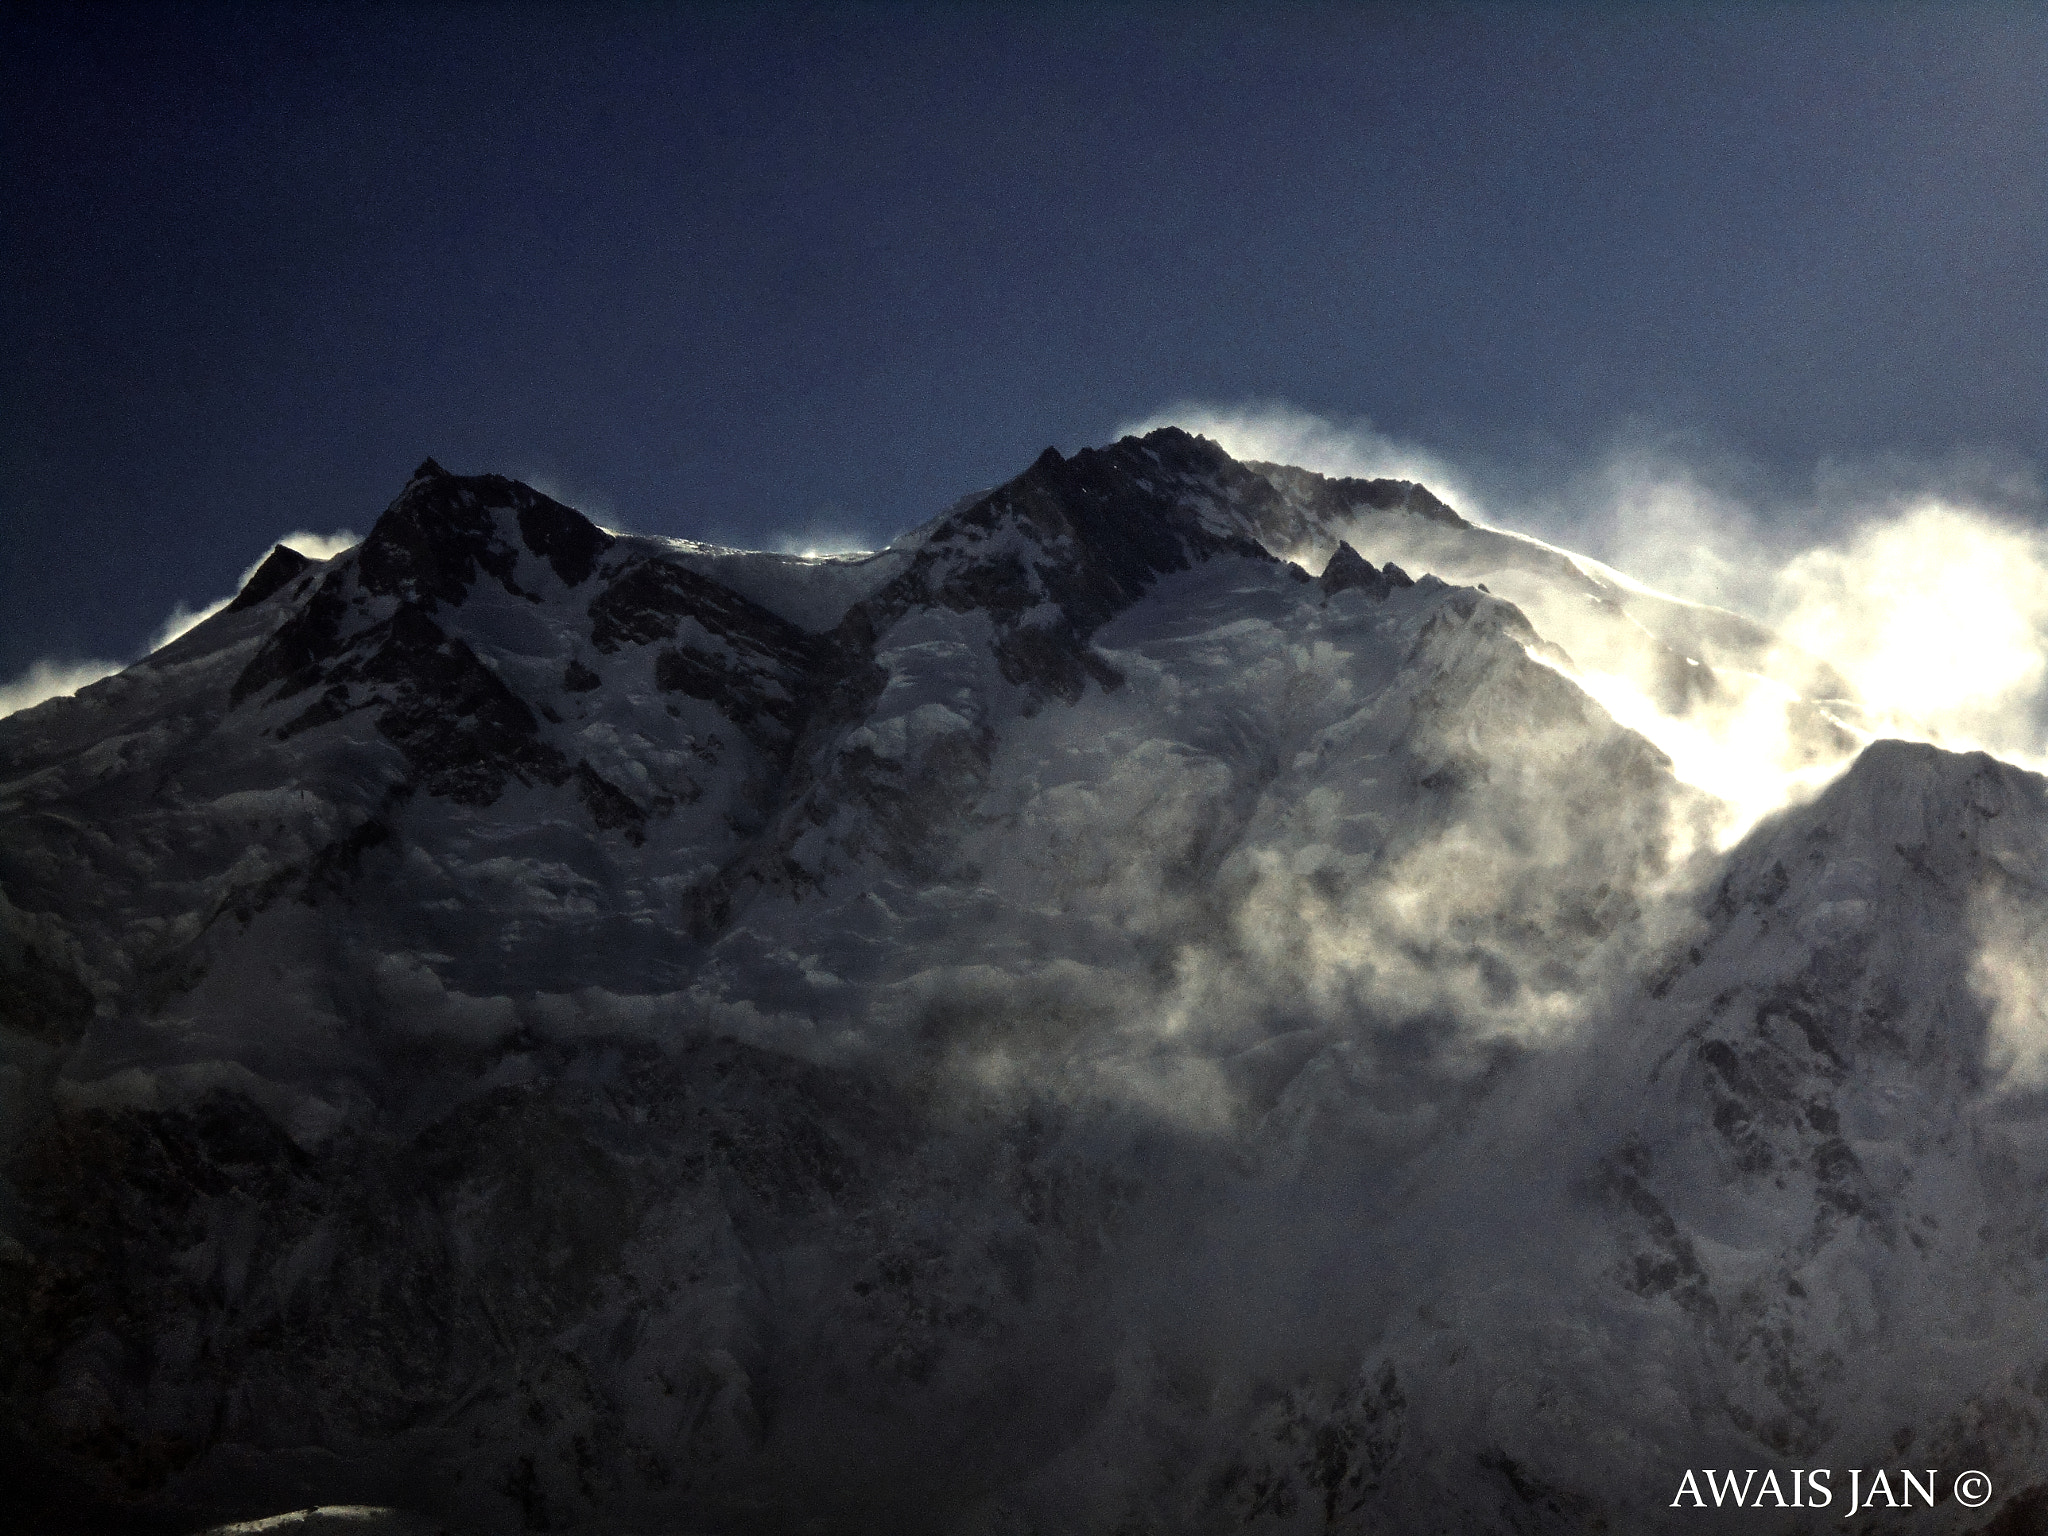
1067,1024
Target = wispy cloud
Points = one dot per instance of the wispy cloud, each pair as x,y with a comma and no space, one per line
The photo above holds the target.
1938,615
48,679
594,505
2010,977
822,543
1273,432
1919,590
1923,584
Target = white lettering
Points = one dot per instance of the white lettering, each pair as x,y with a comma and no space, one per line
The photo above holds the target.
1687,1485
1718,1489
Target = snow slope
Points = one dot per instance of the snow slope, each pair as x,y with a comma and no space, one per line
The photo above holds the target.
1072,1023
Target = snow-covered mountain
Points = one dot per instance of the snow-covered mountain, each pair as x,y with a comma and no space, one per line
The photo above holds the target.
1162,1001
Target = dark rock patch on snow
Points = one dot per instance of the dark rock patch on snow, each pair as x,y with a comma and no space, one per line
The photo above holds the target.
274,573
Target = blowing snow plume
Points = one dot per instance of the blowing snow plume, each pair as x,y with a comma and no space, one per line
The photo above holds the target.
1938,617
45,680
52,680
1273,432
1921,613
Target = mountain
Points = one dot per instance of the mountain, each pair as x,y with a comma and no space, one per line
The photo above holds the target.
1158,1002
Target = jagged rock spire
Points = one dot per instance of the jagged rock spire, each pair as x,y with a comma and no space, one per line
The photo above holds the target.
276,572
1348,569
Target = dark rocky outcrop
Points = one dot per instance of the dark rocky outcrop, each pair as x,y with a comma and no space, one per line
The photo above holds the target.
294,652
431,543
42,999
1106,525
567,540
1348,570
463,731
278,571
761,671
648,600
609,806
1327,497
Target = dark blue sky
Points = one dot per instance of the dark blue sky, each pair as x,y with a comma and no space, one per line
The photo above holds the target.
735,272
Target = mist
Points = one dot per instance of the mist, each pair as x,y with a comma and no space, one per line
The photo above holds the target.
2010,976
1921,586
48,679
1273,432
52,680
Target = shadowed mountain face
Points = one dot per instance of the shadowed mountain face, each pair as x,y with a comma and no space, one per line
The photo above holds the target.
1071,1023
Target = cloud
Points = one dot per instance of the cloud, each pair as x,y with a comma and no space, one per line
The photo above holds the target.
1938,616
1673,523
181,621
314,546
1750,746
2010,976
1901,598
51,680
47,679
1403,858
1919,587
1915,615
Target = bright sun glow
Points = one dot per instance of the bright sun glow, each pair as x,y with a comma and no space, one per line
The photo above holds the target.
1745,755
1940,620
1936,616
1934,613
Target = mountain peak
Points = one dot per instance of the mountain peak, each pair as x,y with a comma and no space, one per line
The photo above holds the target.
1349,569
431,541
283,565
1325,496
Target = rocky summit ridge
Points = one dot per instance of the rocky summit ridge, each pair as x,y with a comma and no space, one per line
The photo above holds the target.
1122,1011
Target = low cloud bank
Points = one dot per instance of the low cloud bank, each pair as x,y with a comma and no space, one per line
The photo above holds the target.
48,679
